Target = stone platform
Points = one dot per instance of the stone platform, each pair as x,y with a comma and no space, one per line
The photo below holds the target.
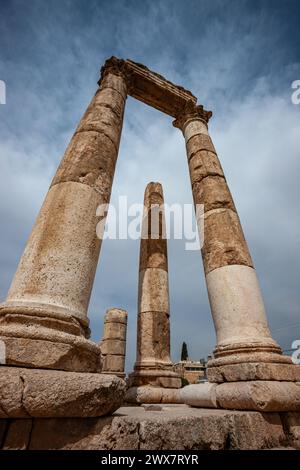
156,427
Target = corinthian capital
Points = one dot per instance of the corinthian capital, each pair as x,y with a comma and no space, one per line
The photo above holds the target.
117,67
191,112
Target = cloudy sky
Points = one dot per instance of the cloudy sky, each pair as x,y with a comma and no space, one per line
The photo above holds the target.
239,58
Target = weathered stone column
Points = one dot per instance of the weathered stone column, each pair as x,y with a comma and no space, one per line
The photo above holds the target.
44,319
236,302
153,364
113,344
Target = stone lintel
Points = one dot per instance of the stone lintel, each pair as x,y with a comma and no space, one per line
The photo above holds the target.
149,87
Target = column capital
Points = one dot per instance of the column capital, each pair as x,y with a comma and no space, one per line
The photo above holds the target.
117,67
191,112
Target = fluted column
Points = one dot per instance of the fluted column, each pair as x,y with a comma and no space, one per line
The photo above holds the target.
47,303
234,294
113,344
153,364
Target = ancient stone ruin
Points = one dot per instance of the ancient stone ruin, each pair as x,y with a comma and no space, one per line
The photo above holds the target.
59,389
153,379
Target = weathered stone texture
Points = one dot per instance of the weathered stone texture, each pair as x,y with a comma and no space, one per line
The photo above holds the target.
151,88
18,434
41,393
192,128
153,363
59,262
154,336
224,242
198,143
11,394
213,192
291,426
149,394
172,428
201,396
113,363
56,273
254,371
89,159
113,346
48,350
114,330
259,395
153,254
202,165
235,297
113,343
153,290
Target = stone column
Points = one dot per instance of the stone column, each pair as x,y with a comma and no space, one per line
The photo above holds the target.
113,344
153,364
236,302
44,319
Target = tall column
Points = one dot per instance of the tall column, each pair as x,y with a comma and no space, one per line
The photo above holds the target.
113,344
153,364
44,319
236,302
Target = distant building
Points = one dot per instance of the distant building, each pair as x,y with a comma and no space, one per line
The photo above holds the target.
192,371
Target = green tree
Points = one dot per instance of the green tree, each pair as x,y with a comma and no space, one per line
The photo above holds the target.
184,382
184,352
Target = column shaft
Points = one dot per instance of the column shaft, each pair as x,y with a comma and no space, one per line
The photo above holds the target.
153,365
235,298
113,344
52,286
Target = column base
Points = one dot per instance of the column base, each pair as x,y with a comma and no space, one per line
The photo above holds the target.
37,393
266,396
152,395
31,337
155,377
246,350
248,371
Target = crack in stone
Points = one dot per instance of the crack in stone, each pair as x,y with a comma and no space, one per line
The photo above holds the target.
211,174
28,445
108,106
111,88
23,395
3,411
100,131
193,154
7,423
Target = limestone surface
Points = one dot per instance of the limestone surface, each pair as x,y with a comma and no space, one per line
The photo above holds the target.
148,394
40,393
153,363
166,428
267,396
254,371
113,344
56,272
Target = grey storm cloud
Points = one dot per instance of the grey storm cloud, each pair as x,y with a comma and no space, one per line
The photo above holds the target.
239,58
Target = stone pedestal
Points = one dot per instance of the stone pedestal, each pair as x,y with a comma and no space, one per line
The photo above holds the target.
158,427
113,344
243,335
153,365
43,322
39,393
